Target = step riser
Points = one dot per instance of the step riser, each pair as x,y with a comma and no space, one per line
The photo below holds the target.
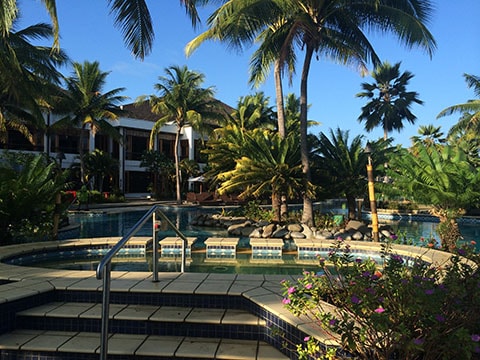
244,332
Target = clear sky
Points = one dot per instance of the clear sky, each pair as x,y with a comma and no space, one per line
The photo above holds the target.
88,33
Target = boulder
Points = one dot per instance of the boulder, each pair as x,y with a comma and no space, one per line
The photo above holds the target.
268,230
297,235
295,227
280,233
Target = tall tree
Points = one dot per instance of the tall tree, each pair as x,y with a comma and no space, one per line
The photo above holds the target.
470,111
132,17
184,102
334,29
390,101
87,106
28,74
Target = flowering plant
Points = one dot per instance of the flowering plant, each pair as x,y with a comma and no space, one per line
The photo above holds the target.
391,309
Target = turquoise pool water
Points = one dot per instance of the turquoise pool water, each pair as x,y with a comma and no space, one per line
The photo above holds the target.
117,224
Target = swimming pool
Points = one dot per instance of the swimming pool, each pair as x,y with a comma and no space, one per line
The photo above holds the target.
117,224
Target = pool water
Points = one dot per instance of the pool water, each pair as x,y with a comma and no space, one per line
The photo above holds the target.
118,224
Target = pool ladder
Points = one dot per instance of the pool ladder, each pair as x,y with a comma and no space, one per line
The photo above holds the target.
104,268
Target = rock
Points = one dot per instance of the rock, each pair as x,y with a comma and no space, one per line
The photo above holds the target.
357,235
247,231
297,235
257,233
268,230
280,233
307,232
295,227
357,226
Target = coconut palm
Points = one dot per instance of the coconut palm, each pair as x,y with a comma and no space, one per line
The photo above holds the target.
390,102
183,102
132,17
252,112
470,110
87,106
439,176
28,76
333,29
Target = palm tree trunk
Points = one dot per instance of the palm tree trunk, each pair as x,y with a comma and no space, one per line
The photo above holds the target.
177,166
279,98
307,217
282,131
276,207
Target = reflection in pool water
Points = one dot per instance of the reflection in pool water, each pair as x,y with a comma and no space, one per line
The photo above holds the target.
117,224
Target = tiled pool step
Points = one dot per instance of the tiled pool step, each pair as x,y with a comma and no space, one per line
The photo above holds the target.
138,330
20,344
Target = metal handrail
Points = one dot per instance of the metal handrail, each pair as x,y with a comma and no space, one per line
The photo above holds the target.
104,268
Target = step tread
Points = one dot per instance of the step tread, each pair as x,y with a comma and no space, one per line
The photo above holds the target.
145,312
139,345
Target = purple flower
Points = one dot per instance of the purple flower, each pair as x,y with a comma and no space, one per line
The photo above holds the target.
286,301
366,274
291,289
306,338
394,237
440,318
429,291
355,299
308,286
418,341
379,310
358,260
332,322
475,337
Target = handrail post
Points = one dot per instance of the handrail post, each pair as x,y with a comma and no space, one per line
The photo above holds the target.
155,254
105,311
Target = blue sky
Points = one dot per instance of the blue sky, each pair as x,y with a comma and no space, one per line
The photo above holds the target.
87,33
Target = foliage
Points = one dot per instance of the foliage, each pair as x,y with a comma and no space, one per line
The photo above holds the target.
393,309
163,169
390,101
440,176
253,211
184,102
29,76
28,186
98,166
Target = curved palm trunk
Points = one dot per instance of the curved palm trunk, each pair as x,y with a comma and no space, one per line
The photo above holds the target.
177,167
281,131
307,217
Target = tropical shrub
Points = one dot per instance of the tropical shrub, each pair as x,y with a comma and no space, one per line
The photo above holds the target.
28,187
390,309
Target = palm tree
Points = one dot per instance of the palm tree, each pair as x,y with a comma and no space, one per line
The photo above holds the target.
28,76
439,176
269,165
87,106
470,110
252,112
390,101
132,17
334,29
183,102
429,135
98,165
342,166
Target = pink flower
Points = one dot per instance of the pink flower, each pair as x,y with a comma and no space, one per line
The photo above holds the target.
286,301
291,290
306,338
308,286
379,310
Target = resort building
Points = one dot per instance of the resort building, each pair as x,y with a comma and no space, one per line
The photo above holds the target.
134,127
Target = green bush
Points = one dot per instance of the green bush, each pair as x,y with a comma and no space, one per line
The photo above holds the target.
391,310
